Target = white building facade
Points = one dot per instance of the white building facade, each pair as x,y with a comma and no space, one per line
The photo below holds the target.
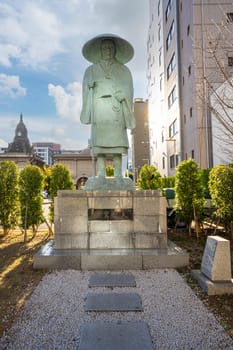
189,47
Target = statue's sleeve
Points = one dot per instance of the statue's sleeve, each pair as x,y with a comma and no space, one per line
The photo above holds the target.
127,104
85,116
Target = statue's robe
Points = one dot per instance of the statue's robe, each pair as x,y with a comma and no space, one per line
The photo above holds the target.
110,118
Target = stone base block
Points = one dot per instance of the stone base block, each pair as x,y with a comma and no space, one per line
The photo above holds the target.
101,260
110,259
104,240
105,183
210,287
49,258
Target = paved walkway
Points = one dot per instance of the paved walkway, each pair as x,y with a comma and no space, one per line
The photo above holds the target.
172,317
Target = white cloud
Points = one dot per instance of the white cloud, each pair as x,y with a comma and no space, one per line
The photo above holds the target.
31,34
68,100
48,36
39,34
10,86
3,143
8,51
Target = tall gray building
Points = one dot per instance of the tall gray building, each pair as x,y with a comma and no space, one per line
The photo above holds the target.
190,66
140,136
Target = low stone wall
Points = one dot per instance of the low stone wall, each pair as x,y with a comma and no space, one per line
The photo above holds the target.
76,229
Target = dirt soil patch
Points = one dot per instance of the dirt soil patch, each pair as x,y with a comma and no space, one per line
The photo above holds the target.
17,277
221,306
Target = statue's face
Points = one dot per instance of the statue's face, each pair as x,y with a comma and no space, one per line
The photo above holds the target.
107,49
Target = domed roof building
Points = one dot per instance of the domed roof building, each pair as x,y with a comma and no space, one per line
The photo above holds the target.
20,150
21,142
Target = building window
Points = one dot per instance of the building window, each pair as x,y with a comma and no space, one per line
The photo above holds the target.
159,5
170,35
188,30
190,112
173,129
192,154
163,162
189,70
159,33
172,162
171,66
168,10
172,97
160,57
161,83
230,61
230,17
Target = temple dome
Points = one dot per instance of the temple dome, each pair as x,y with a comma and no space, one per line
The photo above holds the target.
21,142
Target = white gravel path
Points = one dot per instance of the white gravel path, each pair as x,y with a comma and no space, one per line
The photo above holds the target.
177,319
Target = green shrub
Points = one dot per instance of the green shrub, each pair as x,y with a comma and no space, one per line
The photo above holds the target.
221,191
189,193
109,171
168,182
9,195
60,179
149,178
31,200
204,176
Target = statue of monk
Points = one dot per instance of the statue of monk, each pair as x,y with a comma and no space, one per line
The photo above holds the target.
108,99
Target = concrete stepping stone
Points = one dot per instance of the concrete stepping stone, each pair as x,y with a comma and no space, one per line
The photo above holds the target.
121,335
112,280
113,302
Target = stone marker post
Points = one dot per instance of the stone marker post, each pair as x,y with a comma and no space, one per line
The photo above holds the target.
215,275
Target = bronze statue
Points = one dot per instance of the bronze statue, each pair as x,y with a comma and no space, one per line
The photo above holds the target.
108,99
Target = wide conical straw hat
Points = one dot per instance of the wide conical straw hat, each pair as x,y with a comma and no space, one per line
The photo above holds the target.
124,50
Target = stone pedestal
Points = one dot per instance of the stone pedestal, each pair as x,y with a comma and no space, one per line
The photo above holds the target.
110,230
215,274
110,220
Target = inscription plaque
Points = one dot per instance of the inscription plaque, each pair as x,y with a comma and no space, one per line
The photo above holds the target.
216,261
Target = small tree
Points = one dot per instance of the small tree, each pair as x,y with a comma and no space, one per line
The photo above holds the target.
204,176
60,179
31,186
47,176
189,193
9,195
149,178
221,190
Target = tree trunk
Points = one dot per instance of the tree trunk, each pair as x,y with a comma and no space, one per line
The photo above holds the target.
5,231
190,229
49,227
25,223
34,230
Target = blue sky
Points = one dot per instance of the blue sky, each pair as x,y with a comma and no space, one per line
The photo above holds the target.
42,67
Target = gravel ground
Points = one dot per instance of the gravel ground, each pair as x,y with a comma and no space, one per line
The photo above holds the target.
54,314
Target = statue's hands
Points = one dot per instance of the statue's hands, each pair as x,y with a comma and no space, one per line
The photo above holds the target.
119,96
91,85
